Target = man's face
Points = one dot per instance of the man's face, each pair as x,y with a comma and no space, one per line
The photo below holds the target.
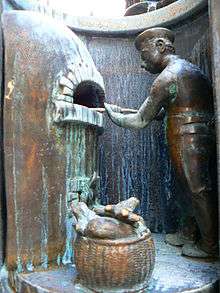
150,58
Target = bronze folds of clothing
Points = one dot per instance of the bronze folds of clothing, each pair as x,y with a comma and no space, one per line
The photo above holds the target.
191,140
186,94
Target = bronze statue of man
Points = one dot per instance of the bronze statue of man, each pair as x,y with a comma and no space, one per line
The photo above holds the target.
185,94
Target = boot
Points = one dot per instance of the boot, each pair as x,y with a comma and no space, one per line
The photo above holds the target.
178,239
187,234
206,214
195,250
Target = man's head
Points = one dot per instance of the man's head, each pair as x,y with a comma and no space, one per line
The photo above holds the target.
154,44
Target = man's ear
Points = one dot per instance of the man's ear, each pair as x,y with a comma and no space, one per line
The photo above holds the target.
161,45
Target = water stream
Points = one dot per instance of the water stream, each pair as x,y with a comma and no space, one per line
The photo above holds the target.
137,162
152,5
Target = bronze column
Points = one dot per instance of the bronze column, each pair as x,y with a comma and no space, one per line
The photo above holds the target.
214,13
2,195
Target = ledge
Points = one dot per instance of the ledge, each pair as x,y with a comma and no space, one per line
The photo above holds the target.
167,16
78,114
172,273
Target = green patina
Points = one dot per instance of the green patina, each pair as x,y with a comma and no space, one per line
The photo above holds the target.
58,134
173,91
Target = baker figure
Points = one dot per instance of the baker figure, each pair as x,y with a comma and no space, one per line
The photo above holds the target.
185,94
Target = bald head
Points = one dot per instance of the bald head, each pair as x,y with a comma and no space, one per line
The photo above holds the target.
155,44
151,34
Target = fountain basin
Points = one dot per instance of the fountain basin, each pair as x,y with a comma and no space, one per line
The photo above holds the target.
124,264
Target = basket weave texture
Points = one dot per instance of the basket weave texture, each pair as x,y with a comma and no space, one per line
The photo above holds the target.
114,264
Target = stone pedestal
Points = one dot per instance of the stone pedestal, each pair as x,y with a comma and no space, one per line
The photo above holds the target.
173,273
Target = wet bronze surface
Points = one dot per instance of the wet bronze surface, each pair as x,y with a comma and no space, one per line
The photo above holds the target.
215,35
113,248
121,264
42,160
169,275
2,198
186,94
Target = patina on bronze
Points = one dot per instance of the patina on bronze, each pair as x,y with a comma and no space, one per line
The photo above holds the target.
114,250
185,94
45,134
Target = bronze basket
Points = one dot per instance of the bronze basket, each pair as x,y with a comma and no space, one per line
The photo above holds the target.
123,265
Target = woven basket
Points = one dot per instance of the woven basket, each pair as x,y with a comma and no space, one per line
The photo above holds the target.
123,265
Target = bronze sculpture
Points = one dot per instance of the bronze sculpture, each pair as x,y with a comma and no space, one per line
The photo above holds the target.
114,240
185,94
114,250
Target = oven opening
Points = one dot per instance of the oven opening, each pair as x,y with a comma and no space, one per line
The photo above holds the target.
89,94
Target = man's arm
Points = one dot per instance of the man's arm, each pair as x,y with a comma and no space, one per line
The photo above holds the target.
146,113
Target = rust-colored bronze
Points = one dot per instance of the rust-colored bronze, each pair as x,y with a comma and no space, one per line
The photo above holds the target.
106,227
45,160
114,250
124,265
185,93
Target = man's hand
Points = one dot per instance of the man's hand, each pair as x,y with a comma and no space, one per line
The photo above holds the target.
114,113
133,120
113,108
123,211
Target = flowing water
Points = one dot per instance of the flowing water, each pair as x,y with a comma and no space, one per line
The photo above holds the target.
201,55
152,5
132,162
137,162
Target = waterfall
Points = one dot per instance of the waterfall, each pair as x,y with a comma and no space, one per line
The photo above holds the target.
152,5
133,163
201,55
